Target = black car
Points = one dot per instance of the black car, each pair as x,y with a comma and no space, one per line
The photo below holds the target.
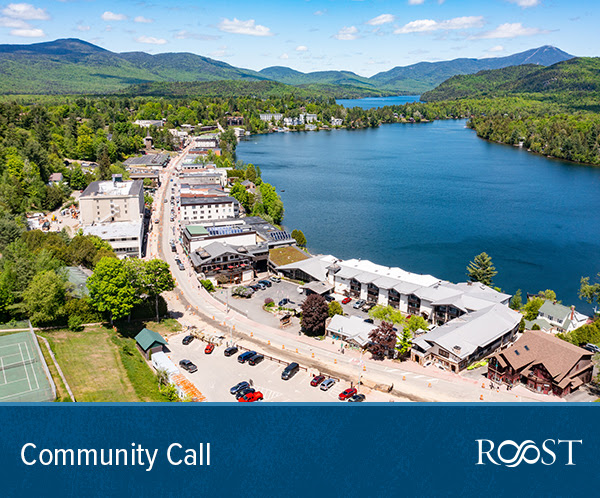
267,283
239,386
230,351
187,339
256,359
254,287
329,298
244,357
368,320
188,365
173,248
284,301
243,392
357,398
290,371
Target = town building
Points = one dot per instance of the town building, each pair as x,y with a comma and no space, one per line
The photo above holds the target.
150,342
467,339
235,263
270,117
352,329
308,269
337,121
147,123
235,120
55,178
155,161
543,363
208,207
554,317
114,211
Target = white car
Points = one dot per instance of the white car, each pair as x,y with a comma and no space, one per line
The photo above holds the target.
327,384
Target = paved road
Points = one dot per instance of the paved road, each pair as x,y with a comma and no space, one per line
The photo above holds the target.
408,379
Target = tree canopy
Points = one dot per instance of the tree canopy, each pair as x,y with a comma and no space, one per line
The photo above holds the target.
481,269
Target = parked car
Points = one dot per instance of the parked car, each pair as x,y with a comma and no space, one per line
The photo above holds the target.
260,286
244,357
347,394
188,365
327,384
180,265
275,279
357,398
239,386
256,359
187,339
592,348
244,391
290,371
359,303
368,307
230,351
251,397
346,300
368,320
173,248
266,283
254,287
284,301
329,298
210,347
316,380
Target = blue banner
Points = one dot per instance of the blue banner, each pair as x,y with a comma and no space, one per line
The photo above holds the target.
296,450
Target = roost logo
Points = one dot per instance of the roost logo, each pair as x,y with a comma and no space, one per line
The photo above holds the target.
512,454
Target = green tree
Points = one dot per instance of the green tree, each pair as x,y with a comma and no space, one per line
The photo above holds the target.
335,308
44,298
548,294
516,301
589,292
78,181
532,307
157,279
315,312
104,171
111,290
481,269
386,314
299,237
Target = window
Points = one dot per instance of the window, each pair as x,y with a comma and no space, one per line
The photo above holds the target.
443,353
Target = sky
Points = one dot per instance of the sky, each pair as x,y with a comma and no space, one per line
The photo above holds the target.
364,36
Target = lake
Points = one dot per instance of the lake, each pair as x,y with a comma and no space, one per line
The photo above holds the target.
370,102
429,197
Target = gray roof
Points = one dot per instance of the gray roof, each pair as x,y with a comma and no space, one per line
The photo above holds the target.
158,160
115,230
195,201
351,328
474,330
316,266
114,189
558,311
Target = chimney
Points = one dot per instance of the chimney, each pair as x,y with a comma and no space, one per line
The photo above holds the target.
572,312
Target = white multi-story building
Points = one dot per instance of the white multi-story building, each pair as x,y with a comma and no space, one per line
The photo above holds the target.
208,208
114,211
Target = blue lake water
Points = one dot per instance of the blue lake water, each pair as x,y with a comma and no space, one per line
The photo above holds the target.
429,197
371,102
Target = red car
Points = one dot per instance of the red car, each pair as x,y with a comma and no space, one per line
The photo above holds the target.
250,397
346,300
348,393
317,380
209,348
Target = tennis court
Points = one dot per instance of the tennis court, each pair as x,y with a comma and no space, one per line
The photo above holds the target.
24,374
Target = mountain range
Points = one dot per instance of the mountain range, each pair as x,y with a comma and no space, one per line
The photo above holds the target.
74,66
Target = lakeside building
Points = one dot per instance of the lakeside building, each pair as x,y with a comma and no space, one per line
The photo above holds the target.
467,339
236,263
209,207
307,269
269,117
543,363
337,121
147,123
352,329
114,211
204,176
554,317
206,142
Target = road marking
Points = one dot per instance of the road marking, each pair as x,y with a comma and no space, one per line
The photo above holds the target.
23,359
419,376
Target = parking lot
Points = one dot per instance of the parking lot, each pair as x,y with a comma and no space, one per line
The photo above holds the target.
217,374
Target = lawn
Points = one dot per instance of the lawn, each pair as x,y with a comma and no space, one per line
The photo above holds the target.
101,365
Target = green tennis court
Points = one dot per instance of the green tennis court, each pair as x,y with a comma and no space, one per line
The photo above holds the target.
23,372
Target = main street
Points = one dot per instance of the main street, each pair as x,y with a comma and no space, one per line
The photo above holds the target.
407,380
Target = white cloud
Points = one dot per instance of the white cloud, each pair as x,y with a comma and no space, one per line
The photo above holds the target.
382,19
7,22
222,52
526,3
425,25
301,48
111,16
284,56
28,32
510,30
25,11
320,12
347,33
143,19
187,35
150,40
497,48
81,27
415,2
248,27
